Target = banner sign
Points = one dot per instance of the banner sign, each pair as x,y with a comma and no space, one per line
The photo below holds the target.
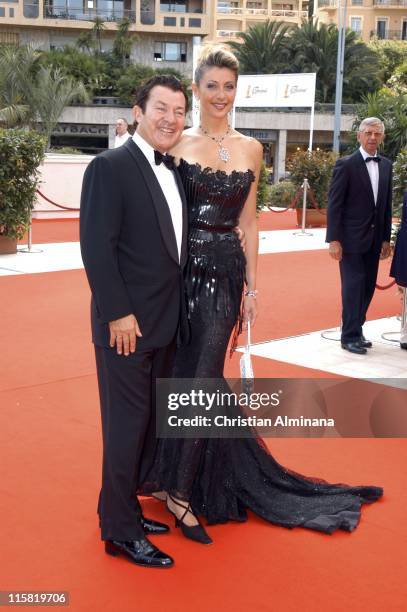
275,90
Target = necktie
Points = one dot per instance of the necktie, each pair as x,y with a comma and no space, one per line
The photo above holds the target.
375,159
167,160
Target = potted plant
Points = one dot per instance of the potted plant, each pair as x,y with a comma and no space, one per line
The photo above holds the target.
316,167
282,194
21,152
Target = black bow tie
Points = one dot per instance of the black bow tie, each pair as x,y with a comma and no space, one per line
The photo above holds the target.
375,159
167,160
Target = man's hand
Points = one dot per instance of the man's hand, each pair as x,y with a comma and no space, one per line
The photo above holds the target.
335,250
123,333
386,250
242,238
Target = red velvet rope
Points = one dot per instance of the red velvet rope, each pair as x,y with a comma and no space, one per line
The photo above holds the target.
293,204
383,287
295,200
55,204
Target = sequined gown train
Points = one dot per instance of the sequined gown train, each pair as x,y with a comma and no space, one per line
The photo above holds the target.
223,478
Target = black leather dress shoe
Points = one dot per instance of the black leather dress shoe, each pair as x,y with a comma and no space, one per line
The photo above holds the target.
153,527
140,552
354,347
364,343
403,345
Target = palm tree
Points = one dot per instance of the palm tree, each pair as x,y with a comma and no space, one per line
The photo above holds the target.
264,48
391,108
85,41
98,28
314,48
123,42
50,93
17,67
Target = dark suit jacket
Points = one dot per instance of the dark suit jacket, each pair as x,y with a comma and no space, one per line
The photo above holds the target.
129,248
352,217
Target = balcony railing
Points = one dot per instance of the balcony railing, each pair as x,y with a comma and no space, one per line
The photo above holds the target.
173,19
248,12
389,35
390,3
228,33
61,11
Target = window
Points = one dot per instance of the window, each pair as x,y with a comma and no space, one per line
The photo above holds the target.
2,11
170,52
173,6
356,24
11,12
170,21
31,9
381,28
357,2
404,30
194,23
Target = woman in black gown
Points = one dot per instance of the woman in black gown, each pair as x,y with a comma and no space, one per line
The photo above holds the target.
221,478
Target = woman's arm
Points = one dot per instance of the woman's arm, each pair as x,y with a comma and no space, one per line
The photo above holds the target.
248,223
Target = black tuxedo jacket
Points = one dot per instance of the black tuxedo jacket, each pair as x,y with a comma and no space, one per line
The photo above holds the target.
129,248
352,217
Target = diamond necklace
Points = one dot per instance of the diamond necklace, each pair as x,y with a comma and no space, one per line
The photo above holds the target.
223,152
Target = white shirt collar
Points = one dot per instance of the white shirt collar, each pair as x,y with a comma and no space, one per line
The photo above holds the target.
365,154
145,147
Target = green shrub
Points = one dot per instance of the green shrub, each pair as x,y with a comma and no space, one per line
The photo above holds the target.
262,189
21,152
282,194
66,151
399,181
317,167
130,80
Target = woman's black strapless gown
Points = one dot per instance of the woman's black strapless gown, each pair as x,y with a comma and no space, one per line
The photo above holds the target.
223,478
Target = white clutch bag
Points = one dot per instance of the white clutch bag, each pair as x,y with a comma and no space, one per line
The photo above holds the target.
246,366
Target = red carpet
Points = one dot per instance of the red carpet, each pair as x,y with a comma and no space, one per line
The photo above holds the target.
54,230
50,454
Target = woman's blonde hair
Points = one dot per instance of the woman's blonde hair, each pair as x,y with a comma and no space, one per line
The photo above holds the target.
215,56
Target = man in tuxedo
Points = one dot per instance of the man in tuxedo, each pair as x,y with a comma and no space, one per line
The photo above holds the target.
359,228
133,233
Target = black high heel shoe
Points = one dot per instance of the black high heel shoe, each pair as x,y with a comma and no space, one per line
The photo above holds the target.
193,532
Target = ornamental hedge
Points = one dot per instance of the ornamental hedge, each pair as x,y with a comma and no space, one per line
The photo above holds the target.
21,153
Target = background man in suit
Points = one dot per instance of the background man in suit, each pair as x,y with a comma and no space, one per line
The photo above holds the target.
359,228
133,241
122,132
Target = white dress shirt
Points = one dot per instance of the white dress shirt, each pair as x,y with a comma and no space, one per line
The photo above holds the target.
373,170
120,140
169,187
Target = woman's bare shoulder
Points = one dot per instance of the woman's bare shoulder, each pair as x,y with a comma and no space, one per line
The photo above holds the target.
253,149
187,139
247,141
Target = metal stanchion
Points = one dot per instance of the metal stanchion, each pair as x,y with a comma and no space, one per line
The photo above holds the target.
397,334
304,211
29,248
